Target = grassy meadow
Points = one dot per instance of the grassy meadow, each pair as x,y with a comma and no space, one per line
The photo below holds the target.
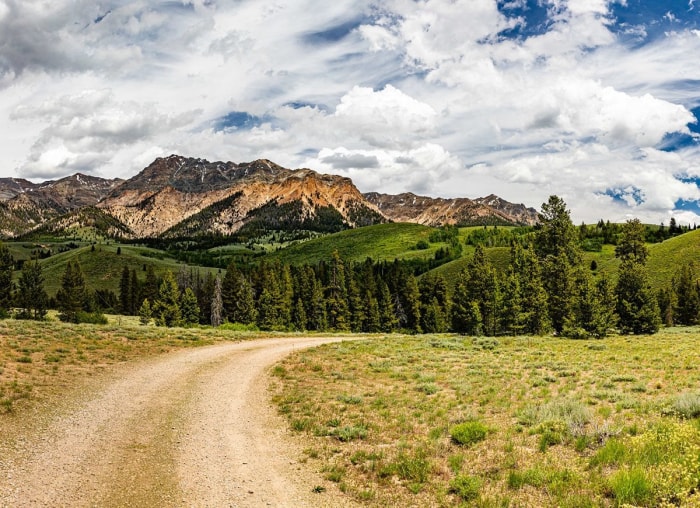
447,420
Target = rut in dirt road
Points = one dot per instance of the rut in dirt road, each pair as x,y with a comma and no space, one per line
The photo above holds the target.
193,429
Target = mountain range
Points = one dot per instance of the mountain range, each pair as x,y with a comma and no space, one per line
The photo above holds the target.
176,197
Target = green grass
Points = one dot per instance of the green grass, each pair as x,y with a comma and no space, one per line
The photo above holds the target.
498,256
102,267
665,258
551,425
381,242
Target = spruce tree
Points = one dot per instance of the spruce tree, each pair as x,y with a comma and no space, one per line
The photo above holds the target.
217,304
637,305
31,296
410,302
151,285
466,317
372,322
483,289
7,264
135,294
166,308
145,312
387,313
299,321
337,310
686,310
72,297
125,292
316,317
189,309
237,297
556,244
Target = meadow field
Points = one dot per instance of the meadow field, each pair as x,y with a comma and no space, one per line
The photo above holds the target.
436,420
513,421
40,360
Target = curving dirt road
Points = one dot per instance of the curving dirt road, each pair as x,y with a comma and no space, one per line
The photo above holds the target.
193,429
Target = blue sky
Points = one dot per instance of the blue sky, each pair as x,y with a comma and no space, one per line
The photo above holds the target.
594,100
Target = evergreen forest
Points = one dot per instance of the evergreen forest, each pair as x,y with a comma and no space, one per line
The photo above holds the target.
545,287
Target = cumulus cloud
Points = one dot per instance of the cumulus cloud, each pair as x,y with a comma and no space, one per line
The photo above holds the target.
390,171
82,131
449,97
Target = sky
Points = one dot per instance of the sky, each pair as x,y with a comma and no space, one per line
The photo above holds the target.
596,101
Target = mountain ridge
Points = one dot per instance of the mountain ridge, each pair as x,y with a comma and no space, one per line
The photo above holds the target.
179,196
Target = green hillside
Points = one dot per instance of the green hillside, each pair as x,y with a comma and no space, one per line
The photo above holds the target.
102,267
499,257
664,259
381,242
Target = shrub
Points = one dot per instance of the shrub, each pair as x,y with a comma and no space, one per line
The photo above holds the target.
469,433
687,405
349,433
573,413
93,318
466,487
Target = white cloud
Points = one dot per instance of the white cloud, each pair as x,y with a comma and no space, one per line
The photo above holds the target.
427,96
390,171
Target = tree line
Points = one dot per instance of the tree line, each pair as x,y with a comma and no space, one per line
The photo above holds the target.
545,288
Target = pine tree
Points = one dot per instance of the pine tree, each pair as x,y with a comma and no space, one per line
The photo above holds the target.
533,302
125,292
637,306
145,312
511,318
666,298
632,246
135,294
559,253
337,310
217,304
72,296
466,317
205,297
482,288
433,318
387,313
31,296
237,297
356,305
410,301
166,308
151,285
435,303
189,309
299,320
316,316
686,309
372,322
593,307
7,264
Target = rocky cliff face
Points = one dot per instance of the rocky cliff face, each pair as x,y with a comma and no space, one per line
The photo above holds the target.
217,197
429,211
26,205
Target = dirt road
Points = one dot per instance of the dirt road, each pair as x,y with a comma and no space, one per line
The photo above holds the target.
193,428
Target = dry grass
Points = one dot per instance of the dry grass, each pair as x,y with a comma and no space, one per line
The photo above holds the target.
379,415
40,360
